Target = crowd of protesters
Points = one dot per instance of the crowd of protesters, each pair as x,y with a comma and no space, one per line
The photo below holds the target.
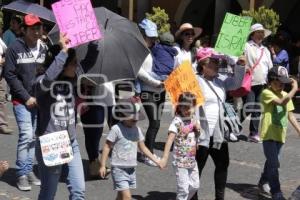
30,67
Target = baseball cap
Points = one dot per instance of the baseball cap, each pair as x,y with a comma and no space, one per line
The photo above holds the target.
279,73
167,38
31,19
129,108
149,27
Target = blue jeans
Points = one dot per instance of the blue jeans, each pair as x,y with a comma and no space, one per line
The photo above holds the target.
26,121
50,176
270,174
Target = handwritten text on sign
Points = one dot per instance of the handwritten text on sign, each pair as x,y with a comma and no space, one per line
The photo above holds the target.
77,19
56,148
183,79
233,35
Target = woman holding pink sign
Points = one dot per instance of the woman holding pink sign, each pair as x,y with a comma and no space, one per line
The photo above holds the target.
56,119
56,113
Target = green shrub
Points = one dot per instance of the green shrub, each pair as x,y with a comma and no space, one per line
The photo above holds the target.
267,17
160,18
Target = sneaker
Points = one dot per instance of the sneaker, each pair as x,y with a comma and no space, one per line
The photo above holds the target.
233,138
5,130
23,184
264,188
33,180
278,196
149,162
254,138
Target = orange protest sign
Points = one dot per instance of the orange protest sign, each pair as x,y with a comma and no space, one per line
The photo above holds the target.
183,79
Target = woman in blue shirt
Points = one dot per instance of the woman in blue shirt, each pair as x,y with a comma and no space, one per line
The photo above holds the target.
279,54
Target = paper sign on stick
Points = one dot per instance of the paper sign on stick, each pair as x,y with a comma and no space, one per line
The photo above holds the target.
233,35
77,19
183,79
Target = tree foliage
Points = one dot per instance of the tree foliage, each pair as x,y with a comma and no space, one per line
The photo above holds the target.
160,18
267,17
1,19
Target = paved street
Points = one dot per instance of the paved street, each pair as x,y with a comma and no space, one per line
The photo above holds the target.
245,167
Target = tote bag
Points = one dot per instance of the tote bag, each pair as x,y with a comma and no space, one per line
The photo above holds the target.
232,123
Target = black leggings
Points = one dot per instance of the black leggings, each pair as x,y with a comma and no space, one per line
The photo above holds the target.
153,105
252,102
221,161
95,117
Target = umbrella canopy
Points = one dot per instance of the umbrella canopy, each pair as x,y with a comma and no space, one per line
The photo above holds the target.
24,7
121,51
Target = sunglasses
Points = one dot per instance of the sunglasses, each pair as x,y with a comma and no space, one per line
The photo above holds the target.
217,61
188,34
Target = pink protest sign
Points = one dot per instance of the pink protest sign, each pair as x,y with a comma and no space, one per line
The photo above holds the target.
77,19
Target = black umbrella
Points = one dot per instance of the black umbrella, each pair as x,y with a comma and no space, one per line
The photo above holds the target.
121,51
24,7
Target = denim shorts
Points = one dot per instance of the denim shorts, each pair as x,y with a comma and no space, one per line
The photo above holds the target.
123,178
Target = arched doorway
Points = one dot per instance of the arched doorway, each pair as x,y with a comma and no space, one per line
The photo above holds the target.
200,13
207,14
288,16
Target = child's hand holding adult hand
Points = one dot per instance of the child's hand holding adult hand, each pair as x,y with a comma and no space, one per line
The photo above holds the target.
163,163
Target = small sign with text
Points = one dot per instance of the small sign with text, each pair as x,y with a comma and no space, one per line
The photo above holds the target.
77,19
233,35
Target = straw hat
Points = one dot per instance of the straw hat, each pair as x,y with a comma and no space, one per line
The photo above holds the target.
188,26
259,27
